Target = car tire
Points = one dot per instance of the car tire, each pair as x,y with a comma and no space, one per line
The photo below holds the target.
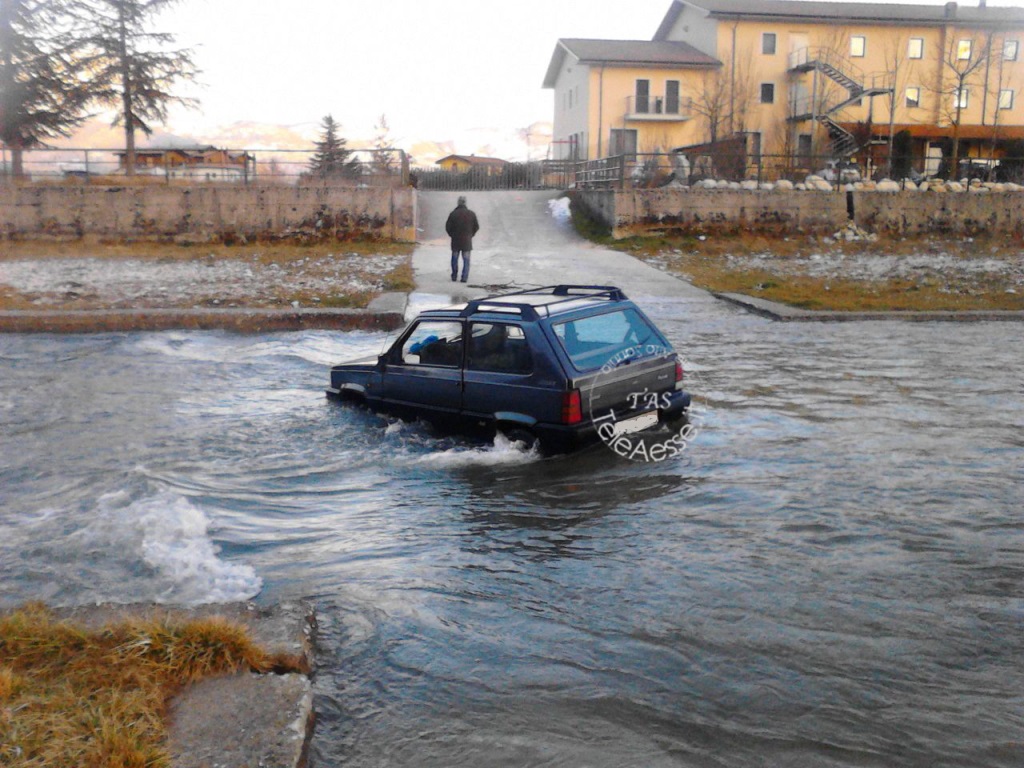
520,435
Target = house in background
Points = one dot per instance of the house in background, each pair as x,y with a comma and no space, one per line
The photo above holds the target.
490,166
193,163
797,78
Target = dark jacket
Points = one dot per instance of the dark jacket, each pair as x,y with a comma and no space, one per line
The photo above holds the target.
462,225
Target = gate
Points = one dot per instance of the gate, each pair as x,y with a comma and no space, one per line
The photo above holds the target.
545,174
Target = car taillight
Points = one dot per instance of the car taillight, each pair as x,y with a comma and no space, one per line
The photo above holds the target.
679,371
572,408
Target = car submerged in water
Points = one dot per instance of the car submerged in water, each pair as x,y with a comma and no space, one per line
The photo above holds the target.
560,367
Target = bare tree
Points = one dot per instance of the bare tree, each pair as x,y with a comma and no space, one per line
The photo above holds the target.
712,102
894,55
962,65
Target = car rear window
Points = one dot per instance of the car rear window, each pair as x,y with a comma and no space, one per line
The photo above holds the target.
592,341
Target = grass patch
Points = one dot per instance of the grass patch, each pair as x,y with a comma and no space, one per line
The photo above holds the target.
70,696
730,264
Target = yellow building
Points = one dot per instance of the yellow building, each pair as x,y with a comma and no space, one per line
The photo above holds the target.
797,78
465,163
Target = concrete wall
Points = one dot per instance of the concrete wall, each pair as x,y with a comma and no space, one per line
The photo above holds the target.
775,212
207,211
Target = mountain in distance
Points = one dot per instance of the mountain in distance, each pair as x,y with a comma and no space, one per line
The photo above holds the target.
515,145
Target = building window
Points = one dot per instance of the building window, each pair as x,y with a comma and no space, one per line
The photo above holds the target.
961,98
643,96
623,142
768,40
915,48
913,97
754,146
672,97
858,44
767,93
1006,99
1010,48
804,146
963,50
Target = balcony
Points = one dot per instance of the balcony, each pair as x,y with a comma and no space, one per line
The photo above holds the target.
657,109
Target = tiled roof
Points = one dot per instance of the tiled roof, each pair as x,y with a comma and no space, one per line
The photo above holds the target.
474,160
627,52
814,10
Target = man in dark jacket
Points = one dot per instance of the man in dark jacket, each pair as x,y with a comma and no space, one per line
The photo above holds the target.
461,226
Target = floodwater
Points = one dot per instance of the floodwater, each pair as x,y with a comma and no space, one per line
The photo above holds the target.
832,574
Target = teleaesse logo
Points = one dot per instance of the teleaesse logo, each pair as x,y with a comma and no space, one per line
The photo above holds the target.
635,431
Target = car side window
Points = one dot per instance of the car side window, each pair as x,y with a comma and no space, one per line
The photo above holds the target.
499,348
434,342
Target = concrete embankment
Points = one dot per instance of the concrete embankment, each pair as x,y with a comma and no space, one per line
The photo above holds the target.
784,312
384,313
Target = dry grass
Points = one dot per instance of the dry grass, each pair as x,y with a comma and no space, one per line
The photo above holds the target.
97,698
707,264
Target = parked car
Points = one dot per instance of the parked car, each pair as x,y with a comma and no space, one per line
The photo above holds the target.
977,169
540,366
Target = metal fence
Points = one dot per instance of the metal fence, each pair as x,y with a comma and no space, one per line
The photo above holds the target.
660,170
385,168
191,165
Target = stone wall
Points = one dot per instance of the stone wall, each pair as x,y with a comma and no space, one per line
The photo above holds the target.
207,211
782,211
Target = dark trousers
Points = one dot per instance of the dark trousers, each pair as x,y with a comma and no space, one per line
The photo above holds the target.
465,264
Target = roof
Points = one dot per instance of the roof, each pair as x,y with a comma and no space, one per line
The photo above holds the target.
816,10
474,160
642,53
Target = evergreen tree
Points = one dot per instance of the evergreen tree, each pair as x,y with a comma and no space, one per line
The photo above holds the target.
41,95
133,70
332,160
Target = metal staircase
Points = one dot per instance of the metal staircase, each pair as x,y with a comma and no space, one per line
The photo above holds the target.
837,69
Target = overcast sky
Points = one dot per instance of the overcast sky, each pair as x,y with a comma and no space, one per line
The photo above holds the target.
436,68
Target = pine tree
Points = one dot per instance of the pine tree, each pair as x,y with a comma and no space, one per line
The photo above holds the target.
332,160
41,95
133,69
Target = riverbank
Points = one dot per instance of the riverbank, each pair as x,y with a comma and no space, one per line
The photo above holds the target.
179,687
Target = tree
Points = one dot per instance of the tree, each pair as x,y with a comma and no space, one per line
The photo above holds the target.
383,158
332,159
133,70
41,93
961,64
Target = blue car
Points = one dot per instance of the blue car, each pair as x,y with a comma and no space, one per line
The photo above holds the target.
559,367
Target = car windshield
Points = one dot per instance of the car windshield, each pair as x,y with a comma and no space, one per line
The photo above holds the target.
591,342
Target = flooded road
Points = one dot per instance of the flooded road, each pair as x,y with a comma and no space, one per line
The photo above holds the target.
831,575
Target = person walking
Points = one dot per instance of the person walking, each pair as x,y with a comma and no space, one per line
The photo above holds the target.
461,226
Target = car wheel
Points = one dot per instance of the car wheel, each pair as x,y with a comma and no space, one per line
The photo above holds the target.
520,435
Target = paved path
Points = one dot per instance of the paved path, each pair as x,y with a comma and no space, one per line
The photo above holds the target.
521,245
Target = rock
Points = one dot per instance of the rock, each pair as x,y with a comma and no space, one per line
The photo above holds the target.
954,186
784,184
887,185
819,184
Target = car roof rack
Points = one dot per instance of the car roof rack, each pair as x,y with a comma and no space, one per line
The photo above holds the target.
560,295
